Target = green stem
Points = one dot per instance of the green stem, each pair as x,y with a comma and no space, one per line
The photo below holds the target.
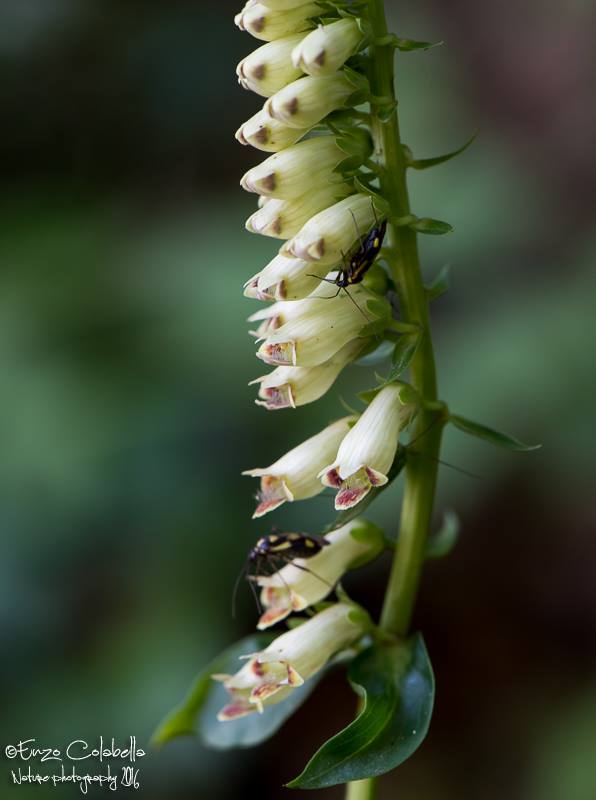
421,470
361,790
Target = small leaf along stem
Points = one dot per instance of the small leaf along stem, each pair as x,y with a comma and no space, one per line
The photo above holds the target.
402,256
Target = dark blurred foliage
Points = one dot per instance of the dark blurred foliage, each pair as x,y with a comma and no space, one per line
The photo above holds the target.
126,418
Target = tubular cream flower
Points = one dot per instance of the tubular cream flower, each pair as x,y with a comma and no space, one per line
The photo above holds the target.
328,47
309,334
294,476
269,68
295,170
306,101
332,232
289,387
268,24
268,134
294,657
284,218
368,449
282,279
305,582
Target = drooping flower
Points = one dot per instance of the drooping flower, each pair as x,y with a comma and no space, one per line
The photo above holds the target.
268,24
271,675
294,476
368,449
332,233
328,47
282,279
308,581
284,218
269,68
268,134
295,170
307,337
306,101
289,387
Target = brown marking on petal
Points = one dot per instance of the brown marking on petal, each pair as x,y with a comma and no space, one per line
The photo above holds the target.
317,249
294,679
234,711
265,506
268,182
350,496
375,478
333,479
259,71
263,691
278,353
277,226
257,668
258,24
320,59
291,107
272,616
263,135
280,291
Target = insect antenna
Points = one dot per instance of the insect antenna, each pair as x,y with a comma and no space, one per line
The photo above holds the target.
239,577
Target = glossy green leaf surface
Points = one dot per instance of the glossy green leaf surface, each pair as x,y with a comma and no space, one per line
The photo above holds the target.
396,684
197,714
490,435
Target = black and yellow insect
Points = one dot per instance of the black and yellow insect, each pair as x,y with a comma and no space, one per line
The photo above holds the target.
274,551
278,546
357,264
362,260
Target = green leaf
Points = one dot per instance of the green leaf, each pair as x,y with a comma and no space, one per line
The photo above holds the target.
397,686
432,226
198,711
407,45
404,352
490,435
399,462
440,284
425,163
445,540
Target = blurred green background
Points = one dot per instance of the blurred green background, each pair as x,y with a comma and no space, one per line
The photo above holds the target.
126,418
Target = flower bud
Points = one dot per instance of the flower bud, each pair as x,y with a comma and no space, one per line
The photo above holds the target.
328,47
295,170
282,279
268,134
269,68
284,218
305,582
268,24
289,387
314,333
308,100
368,449
333,232
291,659
294,476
